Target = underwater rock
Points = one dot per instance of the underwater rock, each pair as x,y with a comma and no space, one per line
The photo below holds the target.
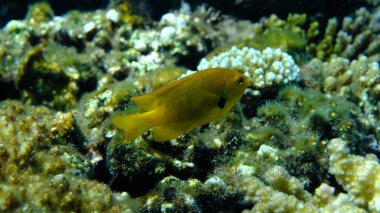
55,76
40,165
141,164
95,109
192,195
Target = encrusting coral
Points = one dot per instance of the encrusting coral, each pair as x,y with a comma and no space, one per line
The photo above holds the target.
40,168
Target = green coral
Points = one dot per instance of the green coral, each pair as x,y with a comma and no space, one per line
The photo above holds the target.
348,38
305,36
276,116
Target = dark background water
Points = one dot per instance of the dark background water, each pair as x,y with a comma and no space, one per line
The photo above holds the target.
17,9
246,9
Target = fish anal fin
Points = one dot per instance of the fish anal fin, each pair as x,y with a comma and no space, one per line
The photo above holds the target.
165,133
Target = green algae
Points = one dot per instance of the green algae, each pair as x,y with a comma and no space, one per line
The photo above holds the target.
284,39
298,123
38,13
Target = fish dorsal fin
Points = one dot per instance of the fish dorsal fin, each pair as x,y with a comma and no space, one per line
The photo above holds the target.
175,84
152,100
146,102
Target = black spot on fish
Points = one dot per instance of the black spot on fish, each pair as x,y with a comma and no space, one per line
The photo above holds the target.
221,102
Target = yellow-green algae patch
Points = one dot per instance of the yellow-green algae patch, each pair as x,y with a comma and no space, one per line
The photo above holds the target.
284,39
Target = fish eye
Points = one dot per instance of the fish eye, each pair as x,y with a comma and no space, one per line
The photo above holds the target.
240,80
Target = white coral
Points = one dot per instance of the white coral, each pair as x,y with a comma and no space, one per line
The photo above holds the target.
265,68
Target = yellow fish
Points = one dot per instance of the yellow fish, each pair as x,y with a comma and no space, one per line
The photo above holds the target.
187,103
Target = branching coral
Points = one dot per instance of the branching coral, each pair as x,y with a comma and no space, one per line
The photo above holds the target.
356,80
355,37
283,193
359,176
325,199
266,69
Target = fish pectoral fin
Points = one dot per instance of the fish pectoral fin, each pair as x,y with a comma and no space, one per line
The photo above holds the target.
210,100
165,133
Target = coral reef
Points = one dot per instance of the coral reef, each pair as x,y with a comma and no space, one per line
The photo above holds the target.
59,58
192,195
54,79
325,199
254,9
356,80
40,167
294,128
323,37
359,176
143,163
355,37
285,147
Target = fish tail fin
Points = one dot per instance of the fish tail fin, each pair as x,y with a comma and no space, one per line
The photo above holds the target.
135,125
